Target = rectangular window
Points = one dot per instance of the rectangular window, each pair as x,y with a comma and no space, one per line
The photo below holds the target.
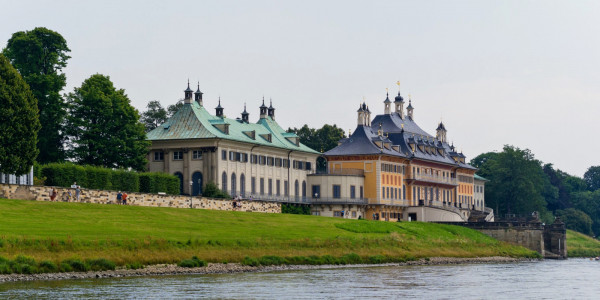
270,161
361,192
178,155
337,213
253,185
354,214
286,190
270,186
337,191
196,154
245,157
224,154
262,160
308,166
383,192
262,186
159,156
352,192
231,155
238,156
277,187
278,162
316,191
403,191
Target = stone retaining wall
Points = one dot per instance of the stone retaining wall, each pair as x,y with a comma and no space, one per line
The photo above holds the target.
42,193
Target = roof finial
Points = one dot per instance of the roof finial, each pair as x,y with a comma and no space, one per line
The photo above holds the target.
188,83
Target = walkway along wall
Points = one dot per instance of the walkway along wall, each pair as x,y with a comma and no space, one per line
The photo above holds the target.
548,240
42,193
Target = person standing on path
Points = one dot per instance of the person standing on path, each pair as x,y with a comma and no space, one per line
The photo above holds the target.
77,193
119,197
53,194
124,198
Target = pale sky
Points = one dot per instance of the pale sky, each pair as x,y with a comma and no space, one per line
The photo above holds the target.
524,73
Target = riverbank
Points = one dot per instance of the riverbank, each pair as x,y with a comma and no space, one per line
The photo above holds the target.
134,235
581,245
219,268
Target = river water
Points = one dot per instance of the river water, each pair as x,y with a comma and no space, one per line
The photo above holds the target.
548,279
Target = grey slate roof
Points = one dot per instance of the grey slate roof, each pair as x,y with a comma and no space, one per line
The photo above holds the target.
398,132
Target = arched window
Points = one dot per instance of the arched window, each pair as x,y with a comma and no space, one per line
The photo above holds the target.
197,183
180,176
233,185
224,182
242,185
304,189
296,189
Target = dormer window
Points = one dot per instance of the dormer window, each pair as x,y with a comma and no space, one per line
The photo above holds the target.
267,137
250,134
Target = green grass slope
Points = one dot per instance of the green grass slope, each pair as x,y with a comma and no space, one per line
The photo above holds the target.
581,245
132,234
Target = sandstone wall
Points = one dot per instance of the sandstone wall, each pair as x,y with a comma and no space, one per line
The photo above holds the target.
42,193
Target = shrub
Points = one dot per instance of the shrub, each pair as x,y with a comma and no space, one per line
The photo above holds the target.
122,180
134,266
153,182
328,260
76,265
269,260
249,261
25,260
211,190
192,263
351,258
377,259
48,267
295,209
65,267
28,269
5,268
101,264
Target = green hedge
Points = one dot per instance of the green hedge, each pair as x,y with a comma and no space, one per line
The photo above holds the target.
65,174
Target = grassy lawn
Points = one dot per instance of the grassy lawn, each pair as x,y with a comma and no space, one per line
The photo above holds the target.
126,234
581,245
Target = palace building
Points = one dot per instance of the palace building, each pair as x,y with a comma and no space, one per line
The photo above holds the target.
252,160
391,169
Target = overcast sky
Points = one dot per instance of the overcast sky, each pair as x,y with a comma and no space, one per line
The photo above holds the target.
524,73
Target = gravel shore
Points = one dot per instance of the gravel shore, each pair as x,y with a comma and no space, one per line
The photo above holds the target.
215,268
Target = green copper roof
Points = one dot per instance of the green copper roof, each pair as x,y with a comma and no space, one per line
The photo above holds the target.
192,121
479,177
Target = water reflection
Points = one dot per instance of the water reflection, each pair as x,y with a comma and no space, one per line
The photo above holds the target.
574,278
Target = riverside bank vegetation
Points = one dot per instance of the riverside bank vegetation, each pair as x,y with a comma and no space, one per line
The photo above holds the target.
51,236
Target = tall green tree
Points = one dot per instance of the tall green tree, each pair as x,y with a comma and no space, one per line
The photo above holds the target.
517,183
322,139
173,108
40,55
19,122
592,178
104,128
154,116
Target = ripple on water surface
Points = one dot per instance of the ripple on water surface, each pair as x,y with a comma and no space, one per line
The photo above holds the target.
550,279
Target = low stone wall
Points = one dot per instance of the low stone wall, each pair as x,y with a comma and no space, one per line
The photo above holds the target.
42,193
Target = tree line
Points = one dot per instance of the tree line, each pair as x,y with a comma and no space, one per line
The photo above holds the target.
94,124
520,184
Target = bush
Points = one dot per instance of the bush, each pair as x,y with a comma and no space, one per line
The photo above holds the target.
48,267
377,259
65,174
192,263
211,190
65,267
153,182
122,180
249,261
76,265
134,266
351,258
21,259
5,268
269,260
101,264
295,209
